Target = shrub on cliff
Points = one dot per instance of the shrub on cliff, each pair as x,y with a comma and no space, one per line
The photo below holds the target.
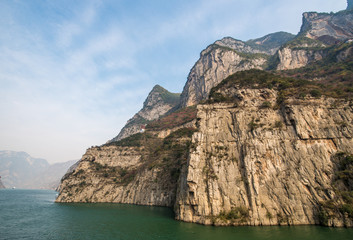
174,119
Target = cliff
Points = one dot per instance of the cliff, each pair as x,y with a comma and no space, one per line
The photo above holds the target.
141,169
158,103
257,163
225,57
318,33
328,28
259,153
257,149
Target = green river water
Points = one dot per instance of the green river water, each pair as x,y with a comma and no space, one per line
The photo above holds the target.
32,214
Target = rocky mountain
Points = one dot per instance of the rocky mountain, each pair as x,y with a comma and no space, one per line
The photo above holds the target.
17,169
259,148
2,186
318,33
350,5
20,170
50,177
259,161
225,57
158,103
271,42
328,28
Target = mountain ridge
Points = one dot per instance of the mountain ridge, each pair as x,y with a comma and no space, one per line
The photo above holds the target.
20,170
250,147
158,102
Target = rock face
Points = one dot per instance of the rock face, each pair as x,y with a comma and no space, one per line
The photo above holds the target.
141,169
271,42
258,150
216,63
95,187
247,163
158,103
328,28
276,163
225,57
290,58
318,31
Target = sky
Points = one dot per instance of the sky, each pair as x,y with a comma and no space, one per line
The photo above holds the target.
72,72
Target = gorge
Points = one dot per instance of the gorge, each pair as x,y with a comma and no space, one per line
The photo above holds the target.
261,135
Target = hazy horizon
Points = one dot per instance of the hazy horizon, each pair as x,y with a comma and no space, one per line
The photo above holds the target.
73,72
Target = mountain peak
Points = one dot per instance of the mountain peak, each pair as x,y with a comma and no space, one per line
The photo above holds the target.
158,93
158,103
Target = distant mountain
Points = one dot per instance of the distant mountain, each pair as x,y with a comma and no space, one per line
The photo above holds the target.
20,170
51,176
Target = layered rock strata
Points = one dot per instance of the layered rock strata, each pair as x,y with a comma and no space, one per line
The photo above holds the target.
275,164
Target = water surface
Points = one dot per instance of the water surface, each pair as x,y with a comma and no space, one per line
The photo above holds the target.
32,214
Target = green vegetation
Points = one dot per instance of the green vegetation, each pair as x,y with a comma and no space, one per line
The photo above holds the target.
343,186
333,75
270,41
236,214
168,97
248,56
258,79
174,119
137,120
278,124
288,83
168,155
266,104
135,140
305,43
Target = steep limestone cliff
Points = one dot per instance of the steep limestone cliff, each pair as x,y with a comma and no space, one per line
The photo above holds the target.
258,149
140,169
290,58
328,28
252,164
116,174
225,57
255,156
318,32
158,103
215,64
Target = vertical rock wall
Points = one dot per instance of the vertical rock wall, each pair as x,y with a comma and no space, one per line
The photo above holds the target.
259,166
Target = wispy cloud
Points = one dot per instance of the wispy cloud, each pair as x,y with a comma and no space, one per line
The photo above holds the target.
73,74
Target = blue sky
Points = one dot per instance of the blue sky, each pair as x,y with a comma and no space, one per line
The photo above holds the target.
72,72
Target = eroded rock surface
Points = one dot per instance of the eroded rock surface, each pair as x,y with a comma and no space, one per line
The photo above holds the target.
276,163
